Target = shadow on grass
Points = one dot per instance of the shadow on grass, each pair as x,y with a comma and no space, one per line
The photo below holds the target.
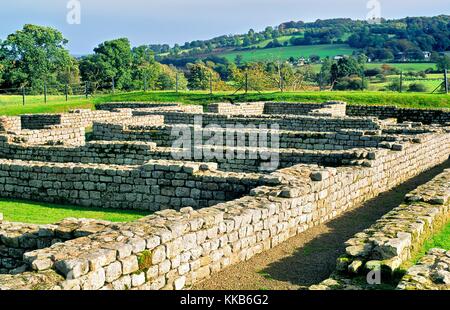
316,260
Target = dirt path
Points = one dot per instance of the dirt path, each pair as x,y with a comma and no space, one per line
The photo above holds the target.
310,257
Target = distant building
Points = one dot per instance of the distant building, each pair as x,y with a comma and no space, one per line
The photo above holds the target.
427,55
338,57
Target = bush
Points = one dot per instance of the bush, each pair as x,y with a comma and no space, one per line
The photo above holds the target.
394,85
350,83
417,87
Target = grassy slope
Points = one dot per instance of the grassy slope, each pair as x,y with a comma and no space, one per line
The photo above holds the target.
44,213
283,53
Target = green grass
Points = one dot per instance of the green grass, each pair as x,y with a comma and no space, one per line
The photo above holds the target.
44,213
12,105
283,53
9,105
422,66
439,240
413,100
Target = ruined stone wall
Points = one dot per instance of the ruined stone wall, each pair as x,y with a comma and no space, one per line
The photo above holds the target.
111,106
17,238
75,118
287,122
153,186
251,108
53,136
432,272
426,116
395,237
167,135
331,108
10,124
172,250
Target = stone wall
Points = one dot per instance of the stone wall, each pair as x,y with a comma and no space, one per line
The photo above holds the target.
331,108
251,108
286,122
432,272
153,186
396,237
62,135
75,118
171,250
10,124
426,116
18,238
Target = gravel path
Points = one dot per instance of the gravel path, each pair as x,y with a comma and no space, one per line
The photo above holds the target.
310,257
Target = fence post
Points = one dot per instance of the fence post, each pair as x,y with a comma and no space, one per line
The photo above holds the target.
176,82
86,89
23,95
281,81
145,83
45,91
246,82
66,91
401,81
446,80
210,84
113,85
321,81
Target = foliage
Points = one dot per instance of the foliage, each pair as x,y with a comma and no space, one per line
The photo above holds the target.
33,56
417,87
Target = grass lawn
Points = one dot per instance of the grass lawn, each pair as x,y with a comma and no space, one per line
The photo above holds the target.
12,104
413,100
283,53
43,213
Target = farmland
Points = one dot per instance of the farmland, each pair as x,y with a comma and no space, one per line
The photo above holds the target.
284,53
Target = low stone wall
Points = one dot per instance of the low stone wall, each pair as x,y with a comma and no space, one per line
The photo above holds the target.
432,272
331,108
251,108
171,250
285,122
75,118
166,136
111,106
153,186
10,124
17,238
56,135
426,116
393,239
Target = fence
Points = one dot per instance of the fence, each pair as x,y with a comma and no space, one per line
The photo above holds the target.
438,82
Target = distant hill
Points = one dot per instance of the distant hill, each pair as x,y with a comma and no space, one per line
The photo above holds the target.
399,39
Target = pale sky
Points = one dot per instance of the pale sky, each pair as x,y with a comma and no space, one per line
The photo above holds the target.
178,21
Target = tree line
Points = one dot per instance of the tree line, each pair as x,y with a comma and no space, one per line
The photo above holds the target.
36,56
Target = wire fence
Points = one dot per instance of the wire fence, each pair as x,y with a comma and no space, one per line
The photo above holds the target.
433,83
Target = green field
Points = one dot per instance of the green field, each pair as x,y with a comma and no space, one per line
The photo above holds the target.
44,213
283,53
422,66
12,105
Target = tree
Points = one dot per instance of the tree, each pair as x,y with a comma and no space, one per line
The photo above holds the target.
443,63
238,59
117,56
199,76
33,55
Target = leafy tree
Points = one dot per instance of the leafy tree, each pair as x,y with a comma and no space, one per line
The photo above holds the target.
33,55
199,76
443,63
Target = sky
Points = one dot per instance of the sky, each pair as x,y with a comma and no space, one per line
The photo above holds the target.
178,21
